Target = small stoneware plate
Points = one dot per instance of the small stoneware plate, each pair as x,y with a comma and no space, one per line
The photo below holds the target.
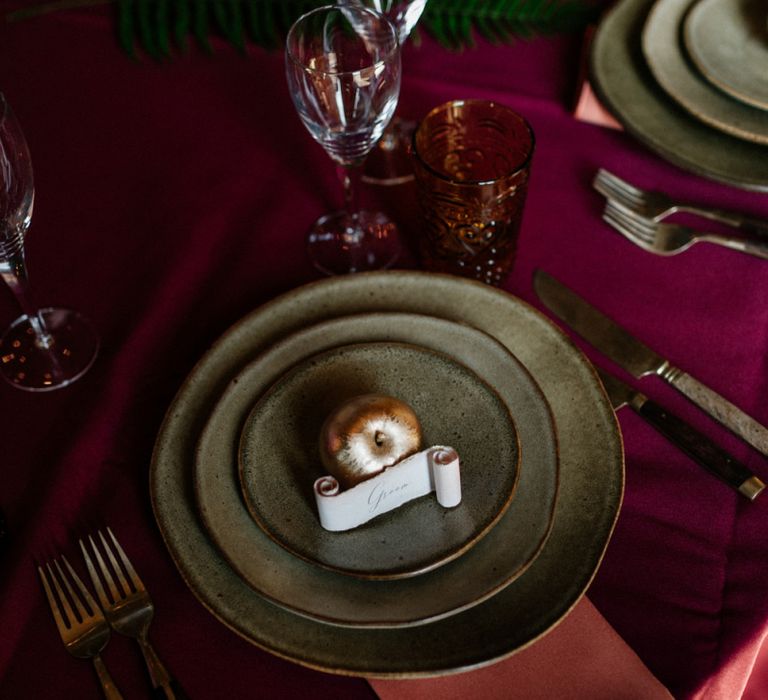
496,560
591,484
280,460
626,86
728,42
664,52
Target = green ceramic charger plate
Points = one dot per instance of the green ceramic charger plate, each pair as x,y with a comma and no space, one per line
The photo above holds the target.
664,51
591,481
626,86
502,555
728,42
280,459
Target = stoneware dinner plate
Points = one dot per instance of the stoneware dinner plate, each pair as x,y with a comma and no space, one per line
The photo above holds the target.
664,52
728,42
289,581
280,459
628,89
591,473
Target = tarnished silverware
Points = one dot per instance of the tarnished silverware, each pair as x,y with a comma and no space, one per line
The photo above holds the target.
695,444
671,239
83,629
658,205
127,605
639,360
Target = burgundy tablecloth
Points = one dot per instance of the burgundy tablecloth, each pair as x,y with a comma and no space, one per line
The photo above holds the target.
173,198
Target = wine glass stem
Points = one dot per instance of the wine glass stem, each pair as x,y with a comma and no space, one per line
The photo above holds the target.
350,179
14,273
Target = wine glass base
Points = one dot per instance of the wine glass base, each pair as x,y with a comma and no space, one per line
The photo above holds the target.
339,244
28,365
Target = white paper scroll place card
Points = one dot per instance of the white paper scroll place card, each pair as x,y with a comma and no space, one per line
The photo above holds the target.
434,469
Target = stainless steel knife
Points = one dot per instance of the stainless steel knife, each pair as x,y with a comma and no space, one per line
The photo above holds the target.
695,444
638,359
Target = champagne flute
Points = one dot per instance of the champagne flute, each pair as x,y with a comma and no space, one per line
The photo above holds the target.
343,71
43,349
389,163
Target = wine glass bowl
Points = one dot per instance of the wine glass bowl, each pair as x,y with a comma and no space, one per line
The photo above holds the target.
43,349
389,162
343,72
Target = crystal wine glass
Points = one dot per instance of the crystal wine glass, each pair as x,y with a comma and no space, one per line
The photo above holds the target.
389,162
43,349
343,70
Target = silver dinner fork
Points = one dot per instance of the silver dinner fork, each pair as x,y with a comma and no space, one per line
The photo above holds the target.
127,605
657,205
83,628
670,239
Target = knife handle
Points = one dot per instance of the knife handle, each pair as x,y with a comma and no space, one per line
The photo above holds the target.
698,446
722,410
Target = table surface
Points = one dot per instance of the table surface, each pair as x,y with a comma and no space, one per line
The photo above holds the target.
173,198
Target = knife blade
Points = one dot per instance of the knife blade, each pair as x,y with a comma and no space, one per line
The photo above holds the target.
695,444
639,360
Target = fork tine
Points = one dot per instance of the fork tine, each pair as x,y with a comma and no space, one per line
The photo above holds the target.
137,582
100,592
612,193
65,609
614,187
624,229
61,622
603,184
86,596
639,225
623,186
116,593
114,563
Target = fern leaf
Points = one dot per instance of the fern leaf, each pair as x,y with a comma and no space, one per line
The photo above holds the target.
182,22
200,25
229,18
125,30
150,24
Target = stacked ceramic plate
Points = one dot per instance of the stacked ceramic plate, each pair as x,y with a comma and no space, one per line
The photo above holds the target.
690,79
420,590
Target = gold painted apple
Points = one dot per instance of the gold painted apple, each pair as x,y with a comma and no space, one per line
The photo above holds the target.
365,435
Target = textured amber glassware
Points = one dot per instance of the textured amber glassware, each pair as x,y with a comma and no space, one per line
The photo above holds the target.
472,159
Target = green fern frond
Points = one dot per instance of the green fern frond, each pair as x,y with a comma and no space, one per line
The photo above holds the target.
161,27
453,22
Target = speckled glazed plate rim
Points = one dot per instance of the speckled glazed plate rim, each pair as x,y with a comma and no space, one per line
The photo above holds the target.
507,549
422,536
706,49
665,55
625,85
588,503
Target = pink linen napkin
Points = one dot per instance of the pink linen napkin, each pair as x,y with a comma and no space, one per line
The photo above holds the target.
583,658
588,107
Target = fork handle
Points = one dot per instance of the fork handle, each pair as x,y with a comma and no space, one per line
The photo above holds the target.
107,684
747,224
744,245
171,691
165,686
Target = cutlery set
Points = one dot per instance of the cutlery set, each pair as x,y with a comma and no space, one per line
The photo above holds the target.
639,360
640,215
124,606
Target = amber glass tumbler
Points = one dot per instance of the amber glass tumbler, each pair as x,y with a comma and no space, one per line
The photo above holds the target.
472,159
